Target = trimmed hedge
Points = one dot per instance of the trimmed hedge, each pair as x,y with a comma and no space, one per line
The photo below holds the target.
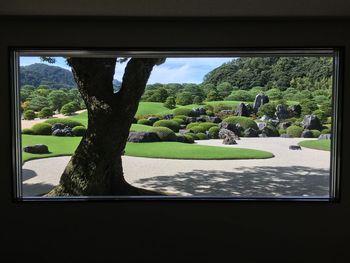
64,121
315,133
164,133
192,135
29,115
295,131
183,111
214,132
192,124
244,122
207,125
178,120
28,131
45,112
79,130
144,122
202,136
173,125
188,138
326,131
282,131
198,129
183,117
42,129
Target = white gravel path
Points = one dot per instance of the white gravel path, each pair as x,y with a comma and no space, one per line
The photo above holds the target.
290,173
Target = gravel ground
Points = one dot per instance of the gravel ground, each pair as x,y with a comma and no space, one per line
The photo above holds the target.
290,173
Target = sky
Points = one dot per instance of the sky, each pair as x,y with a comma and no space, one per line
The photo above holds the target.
174,70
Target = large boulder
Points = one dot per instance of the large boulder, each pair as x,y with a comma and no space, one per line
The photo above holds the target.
37,149
311,122
201,119
282,112
153,119
199,111
214,119
284,125
260,100
66,131
261,125
326,136
227,133
229,140
143,137
269,131
236,128
57,126
242,110
295,110
307,134
250,132
168,116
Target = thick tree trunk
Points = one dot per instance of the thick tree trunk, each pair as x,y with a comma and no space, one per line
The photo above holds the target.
96,166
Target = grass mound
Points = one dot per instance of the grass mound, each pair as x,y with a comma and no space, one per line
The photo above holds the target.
324,145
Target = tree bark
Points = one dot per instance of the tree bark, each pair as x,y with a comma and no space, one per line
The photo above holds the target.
96,166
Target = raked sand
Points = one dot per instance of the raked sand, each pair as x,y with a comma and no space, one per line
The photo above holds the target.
289,173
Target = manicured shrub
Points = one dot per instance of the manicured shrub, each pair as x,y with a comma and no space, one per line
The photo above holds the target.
192,124
144,122
294,131
202,136
28,131
164,133
192,135
42,129
79,130
214,132
270,131
282,131
182,117
188,138
244,122
64,121
29,115
207,125
178,120
182,111
68,109
326,131
209,113
267,109
45,112
173,125
170,103
198,129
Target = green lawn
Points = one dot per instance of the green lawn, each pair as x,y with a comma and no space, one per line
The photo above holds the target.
60,146
324,145
230,103
81,117
149,108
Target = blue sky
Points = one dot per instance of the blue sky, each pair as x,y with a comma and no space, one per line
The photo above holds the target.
174,70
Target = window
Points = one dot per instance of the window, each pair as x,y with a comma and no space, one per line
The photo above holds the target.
216,124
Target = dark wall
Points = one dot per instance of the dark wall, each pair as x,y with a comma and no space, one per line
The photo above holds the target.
161,231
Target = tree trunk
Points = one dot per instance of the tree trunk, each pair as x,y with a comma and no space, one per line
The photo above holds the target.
96,166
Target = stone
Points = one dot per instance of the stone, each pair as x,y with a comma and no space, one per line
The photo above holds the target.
250,132
190,119
294,147
58,132
66,131
311,122
295,110
236,128
269,131
201,119
242,110
284,125
57,126
262,135
168,116
306,134
285,135
214,119
182,126
227,112
265,118
180,138
199,111
261,125
229,140
227,133
282,112
153,119
143,137
260,99
326,136
37,149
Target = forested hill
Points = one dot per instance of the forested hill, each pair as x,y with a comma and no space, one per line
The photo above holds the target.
42,74
246,73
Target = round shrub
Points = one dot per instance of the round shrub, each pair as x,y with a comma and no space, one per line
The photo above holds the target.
42,129
270,131
192,135
192,124
282,131
244,122
209,113
326,131
182,117
68,109
29,115
182,111
28,131
188,138
198,129
173,125
315,133
207,125
144,122
214,132
164,133
79,130
64,121
202,136
45,112
178,120
294,131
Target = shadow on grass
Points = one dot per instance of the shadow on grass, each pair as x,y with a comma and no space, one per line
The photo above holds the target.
263,181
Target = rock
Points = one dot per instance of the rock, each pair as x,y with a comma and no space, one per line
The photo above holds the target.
168,116
180,138
227,133
284,125
58,132
242,110
311,122
199,111
294,147
228,112
190,119
269,131
281,112
236,128
261,125
265,118
37,149
182,126
229,140
250,132
260,100
66,131
153,119
306,134
57,126
326,136
201,119
262,135
285,135
214,119
183,131
143,137
295,110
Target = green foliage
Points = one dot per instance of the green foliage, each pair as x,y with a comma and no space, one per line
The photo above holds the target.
173,125
65,121
207,125
274,94
179,120
326,131
321,115
68,109
164,133
241,95
144,122
315,133
170,103
267,109
282,131
213,95
209,113
29,115
45,112
197,100
308,107
295,131
214,132
197,129
202,136
192,124
182,111
184,98
244,122
224,89
79,130
188,138
38,102
182,117
192,135
28,131
42,129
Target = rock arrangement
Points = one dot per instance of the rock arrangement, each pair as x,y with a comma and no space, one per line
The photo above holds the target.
143,137
60,129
